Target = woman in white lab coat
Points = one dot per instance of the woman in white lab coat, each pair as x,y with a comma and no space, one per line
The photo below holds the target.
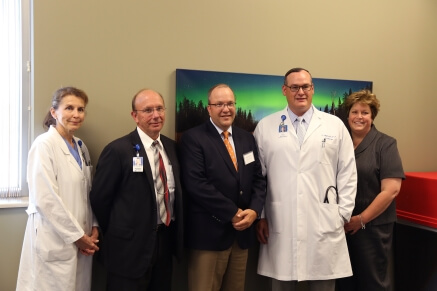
61,234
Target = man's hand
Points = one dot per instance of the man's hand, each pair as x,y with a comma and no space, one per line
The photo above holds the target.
262,231
236,218
247,217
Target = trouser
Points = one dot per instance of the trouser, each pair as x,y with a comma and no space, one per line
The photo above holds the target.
217,270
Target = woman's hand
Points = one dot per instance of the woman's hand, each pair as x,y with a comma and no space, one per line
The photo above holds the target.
87,245
353,225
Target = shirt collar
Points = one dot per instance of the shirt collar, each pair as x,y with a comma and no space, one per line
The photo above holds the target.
219,130
307,115
147,140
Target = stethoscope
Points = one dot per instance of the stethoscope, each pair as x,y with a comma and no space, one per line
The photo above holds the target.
326,200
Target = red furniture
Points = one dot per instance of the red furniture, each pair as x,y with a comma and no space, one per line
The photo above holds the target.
417,200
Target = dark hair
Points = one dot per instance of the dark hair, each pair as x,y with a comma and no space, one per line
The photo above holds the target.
57,98
363,97
138,93
220,85
295,70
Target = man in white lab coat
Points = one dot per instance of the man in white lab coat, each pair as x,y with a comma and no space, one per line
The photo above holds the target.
301,230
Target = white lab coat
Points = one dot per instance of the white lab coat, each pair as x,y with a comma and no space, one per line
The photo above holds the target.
59,214
307,239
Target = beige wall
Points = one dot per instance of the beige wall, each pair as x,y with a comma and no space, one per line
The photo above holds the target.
111,49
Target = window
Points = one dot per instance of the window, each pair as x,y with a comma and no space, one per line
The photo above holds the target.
15,95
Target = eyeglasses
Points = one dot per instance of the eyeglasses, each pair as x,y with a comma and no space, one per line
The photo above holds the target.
150,110
222,105
305,87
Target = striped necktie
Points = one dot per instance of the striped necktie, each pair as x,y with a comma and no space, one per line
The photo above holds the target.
161,185
300,129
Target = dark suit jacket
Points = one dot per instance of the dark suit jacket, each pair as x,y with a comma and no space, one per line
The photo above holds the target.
125,206
215,190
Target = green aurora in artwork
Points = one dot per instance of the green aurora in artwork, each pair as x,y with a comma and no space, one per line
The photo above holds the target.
259,94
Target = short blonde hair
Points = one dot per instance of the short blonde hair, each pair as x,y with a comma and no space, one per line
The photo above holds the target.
363,97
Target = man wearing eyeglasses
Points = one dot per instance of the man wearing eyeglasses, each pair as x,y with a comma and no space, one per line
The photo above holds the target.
224,192
301,233
137,199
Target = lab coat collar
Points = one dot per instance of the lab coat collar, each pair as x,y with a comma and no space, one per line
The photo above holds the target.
61,143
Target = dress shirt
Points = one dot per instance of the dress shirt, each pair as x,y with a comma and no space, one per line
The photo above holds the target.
147,144
220,131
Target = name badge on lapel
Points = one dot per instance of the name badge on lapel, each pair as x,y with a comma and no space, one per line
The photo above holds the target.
248,158
137,164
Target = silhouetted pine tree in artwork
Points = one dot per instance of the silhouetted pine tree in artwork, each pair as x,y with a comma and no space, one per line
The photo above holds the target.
189,115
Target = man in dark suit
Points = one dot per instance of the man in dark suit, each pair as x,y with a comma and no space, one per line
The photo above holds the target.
222,177
140,230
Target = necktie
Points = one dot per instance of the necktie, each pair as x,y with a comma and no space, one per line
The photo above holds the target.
300,129
229,148
161,185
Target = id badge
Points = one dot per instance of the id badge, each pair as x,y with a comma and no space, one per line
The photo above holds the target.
283,130
137,164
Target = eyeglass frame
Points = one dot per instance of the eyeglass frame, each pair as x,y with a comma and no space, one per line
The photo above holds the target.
292,88
223,105
150,110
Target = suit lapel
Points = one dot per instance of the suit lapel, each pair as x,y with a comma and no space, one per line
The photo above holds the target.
238,143
170,153
70,157
66,151
314,124
147,170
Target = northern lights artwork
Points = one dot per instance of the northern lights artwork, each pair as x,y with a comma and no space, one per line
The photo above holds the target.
256,95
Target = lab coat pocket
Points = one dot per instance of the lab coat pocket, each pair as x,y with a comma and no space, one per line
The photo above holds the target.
50,247
329,153
329,219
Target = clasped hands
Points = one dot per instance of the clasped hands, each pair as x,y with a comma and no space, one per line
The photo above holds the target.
88,244
243,219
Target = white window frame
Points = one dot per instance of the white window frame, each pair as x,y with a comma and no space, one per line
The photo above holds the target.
26,116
